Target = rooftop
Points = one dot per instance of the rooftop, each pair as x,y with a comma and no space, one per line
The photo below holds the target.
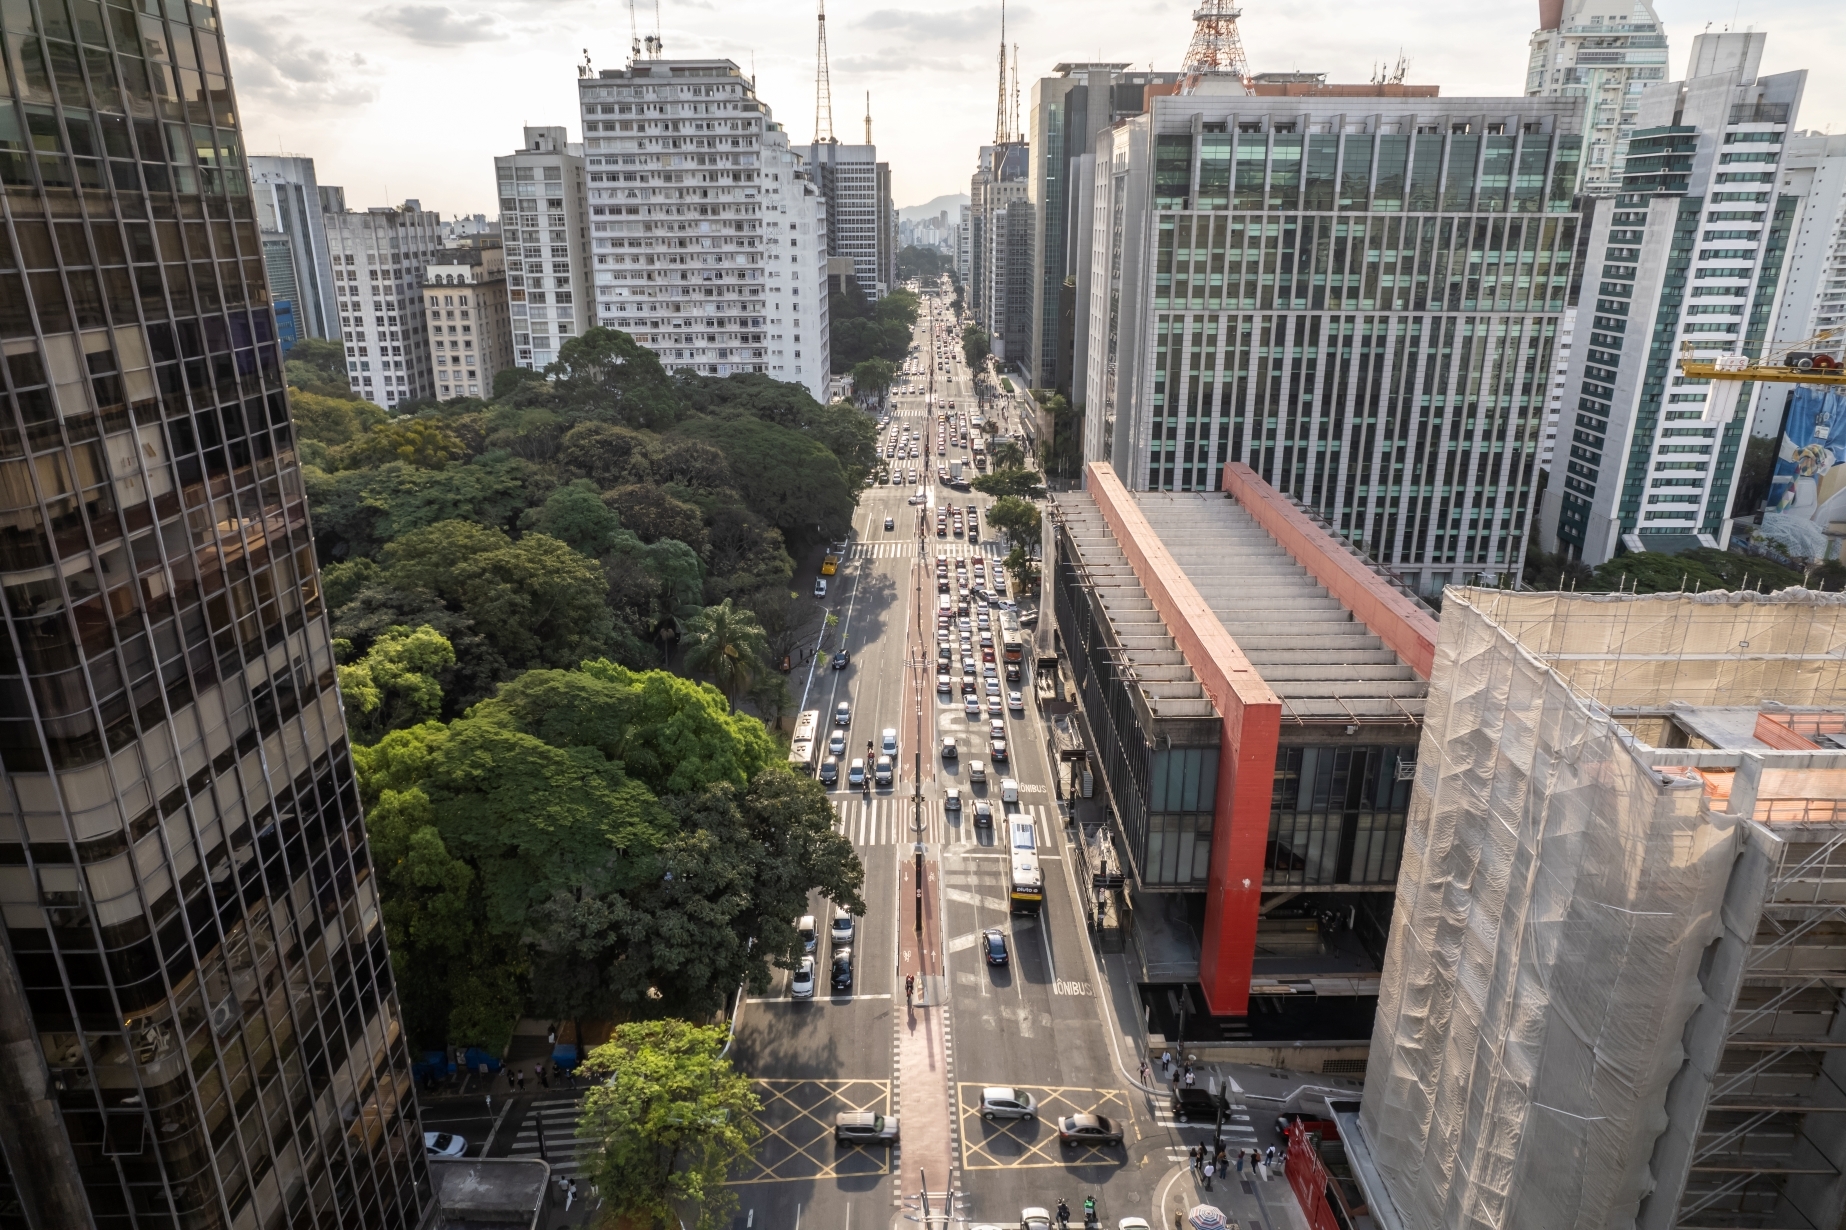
1166,684
1311,650
499,1193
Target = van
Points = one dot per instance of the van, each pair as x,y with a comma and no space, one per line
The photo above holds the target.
804,927
1009,790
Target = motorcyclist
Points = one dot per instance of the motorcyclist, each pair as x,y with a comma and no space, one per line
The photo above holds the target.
1089,1212
1063,1212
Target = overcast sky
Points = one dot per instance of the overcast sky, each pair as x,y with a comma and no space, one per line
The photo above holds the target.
413,99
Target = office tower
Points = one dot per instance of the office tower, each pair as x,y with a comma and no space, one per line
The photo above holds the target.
1068,110
709,234
196,1004
467,316
1356,299
963,251
888,240
382,251
1612,990
1001,177
857,190
1813,297
1010,281
1603,52
288,215
1690,253
546,233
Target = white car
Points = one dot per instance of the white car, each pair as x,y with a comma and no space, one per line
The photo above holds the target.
442,1144
1015,702
1009,790
801,982
890,741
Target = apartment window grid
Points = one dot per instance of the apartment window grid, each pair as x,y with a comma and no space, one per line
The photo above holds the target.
159,893
452,345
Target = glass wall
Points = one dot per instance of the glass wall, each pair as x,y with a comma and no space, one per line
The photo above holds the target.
188,906
1336,816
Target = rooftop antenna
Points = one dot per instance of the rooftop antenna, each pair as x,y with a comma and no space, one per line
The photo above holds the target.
1216,48
586,70
1017,134
660,44
1000,99
634,35
868,117
823,85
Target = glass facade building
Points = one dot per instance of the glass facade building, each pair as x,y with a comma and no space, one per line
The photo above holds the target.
195,1000
1362,308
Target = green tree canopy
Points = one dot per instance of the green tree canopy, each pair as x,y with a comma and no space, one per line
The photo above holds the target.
1018,519
791,480
871,380
397,683
356,512
916,262
975,345
576,515
1028,483
670,1117
727,645
606,375
415,442
1007,455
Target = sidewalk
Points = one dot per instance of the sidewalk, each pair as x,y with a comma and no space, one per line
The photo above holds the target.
923,1049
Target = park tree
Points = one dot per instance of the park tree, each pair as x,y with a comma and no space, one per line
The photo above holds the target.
1007,455
1018,519
415,442
397,683
871,380
604,374
1024,483
669,1116
975,345
726,645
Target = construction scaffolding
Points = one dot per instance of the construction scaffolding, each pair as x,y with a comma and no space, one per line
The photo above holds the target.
1612,994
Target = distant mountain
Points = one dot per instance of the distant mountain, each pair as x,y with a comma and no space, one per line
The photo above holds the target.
929,209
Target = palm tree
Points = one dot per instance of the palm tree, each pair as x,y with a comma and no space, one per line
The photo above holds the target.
727,645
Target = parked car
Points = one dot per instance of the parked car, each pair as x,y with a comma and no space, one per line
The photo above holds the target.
864,1128
1089,1130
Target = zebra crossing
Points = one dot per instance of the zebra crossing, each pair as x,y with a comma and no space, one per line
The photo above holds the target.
888,819
556,1116
903,548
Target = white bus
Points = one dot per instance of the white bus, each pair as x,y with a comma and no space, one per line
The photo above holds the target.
1026,880
803,747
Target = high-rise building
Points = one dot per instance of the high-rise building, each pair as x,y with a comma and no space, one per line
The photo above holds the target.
857,190
1001,285
467,316
1603,52
1356,299
288,213
1068,110
1813,296
544,226
196,1002
1690,252
709,233
382,251
1614,936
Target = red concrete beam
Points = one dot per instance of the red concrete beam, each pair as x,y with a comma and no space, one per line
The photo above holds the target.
1401,624
1252,715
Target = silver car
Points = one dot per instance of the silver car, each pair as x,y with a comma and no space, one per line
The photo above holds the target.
1005,1102
801,984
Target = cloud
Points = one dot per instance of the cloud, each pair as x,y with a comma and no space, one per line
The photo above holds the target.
978,25
432,25
277,65
899,60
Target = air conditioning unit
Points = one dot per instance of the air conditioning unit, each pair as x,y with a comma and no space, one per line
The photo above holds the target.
1406,770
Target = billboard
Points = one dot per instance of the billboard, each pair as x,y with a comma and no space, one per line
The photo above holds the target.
1806,509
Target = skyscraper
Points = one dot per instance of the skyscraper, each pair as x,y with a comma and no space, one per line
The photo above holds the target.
381,252
1356,297
1690,252
1603,52
543,223
857,189
708,234
196,1003
288,213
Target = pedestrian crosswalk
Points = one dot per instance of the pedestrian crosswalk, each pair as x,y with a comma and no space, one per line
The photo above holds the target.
883,550
556,1116
903,548
889,820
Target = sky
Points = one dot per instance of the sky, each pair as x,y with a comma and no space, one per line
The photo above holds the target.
414,99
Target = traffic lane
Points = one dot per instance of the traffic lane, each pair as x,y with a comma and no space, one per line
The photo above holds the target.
464,1115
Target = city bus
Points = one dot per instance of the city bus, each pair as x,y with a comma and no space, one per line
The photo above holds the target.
1012,640
803,747
1026,880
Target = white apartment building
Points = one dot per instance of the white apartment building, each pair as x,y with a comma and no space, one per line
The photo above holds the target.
708,236
1814,281
468,319
378,261
546,234
1604,52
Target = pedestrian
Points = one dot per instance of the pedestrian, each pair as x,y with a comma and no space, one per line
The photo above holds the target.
1208,1171
490,1104
538,1070
572,1198
1146,1072
1188,1076
1166,1065
1193,1154
1219,1159
1240,1163
1270,1156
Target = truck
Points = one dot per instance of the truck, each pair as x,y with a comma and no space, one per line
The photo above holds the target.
954,473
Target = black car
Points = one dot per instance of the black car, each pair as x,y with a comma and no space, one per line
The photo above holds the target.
841,660
993,943
1194,1105
842,969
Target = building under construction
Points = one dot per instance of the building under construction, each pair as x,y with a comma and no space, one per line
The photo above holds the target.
1612,992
